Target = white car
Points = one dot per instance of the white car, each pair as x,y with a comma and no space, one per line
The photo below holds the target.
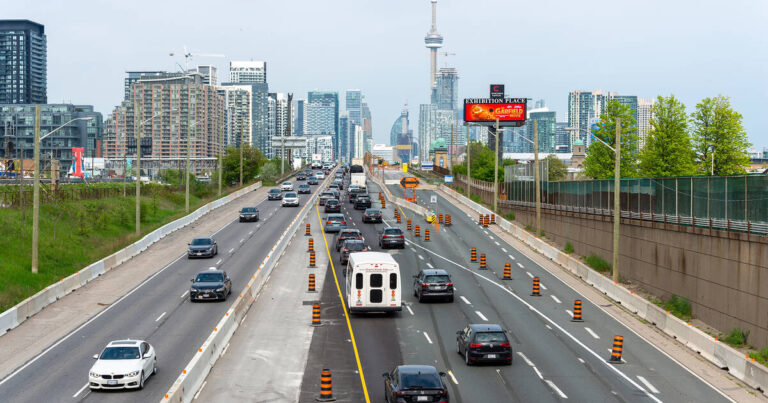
286,186
291,199
319,175
124,364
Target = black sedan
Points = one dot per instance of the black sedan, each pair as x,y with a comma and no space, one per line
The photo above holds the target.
351,246
249,214
362,202
210,284
332,206
372,215
415,383
275,194
301,177
488,343
202,247
433,283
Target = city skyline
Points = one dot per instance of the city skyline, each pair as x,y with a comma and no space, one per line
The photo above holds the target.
668,53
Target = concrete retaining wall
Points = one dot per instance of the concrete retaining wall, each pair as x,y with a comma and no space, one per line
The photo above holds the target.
193,375
720,354
24,310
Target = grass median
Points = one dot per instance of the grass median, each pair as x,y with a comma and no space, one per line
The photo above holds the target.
74,234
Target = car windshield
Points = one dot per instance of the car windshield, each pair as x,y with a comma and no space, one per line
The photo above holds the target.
350,234
335,218
393,231
249,209
420,381
437,278
327,194
290,194
354,245
371,211
120,353
274,191
331,202
201,241
490,337
209,278
357,190
286,183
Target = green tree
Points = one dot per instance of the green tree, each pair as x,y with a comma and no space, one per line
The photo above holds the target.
718,132
668,150
270,171
599,162
253,159
557,168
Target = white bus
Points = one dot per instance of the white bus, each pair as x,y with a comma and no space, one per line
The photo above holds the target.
373,283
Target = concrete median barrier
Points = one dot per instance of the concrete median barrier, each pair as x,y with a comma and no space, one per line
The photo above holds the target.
718,353
53,292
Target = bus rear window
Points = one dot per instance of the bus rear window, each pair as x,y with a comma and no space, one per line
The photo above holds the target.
359,281
393,281
376,280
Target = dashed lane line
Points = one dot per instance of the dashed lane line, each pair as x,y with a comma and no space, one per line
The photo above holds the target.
185,294
80,391
160,317
556,389
430,266
527,361
520,265
529,274
480,314
427,336
648,384
556,299
466,301
591,332
408,307
453,378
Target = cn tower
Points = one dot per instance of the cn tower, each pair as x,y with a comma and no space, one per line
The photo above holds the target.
433,42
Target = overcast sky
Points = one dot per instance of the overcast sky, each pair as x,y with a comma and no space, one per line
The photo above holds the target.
539,49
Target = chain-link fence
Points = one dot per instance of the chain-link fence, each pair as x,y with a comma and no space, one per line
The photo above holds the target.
733,203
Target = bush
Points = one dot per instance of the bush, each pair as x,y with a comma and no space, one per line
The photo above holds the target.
678,306
542,234
737,337
597,263
530,229
761,356
568,248
510,216
476,199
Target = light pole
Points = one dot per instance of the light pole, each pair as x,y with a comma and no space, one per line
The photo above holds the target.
496,169
36,188
616,191
138,169
536,170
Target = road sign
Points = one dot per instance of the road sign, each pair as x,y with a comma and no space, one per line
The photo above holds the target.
427,166
433,199
448,178
405,167
497,91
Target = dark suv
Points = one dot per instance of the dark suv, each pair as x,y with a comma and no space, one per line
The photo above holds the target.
202,247
332,206
372,215
415,383
354,193
275,194
351,246
249,214
345,234
210,284
433,283
362,202
391,237
484,343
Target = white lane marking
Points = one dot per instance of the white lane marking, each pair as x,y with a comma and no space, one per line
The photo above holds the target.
250,233
556,389
503,250
521,266
224,351
480,314
592,333
527,361
430,266
555,298
560,328
490,237
466,301
648,384
542,286
569,312
421,257
529,274
218,262
581,360
409,309
80,391
201,389
497,244
427,336
160,317
547,326
242,240
185,294
231,250
453,378
511,257
538,373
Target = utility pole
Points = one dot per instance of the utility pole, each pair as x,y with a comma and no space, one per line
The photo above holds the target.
36,192
189,140
469,165
537,174
616,201
450,152
496,170
138,168
221,144
288,129
242,144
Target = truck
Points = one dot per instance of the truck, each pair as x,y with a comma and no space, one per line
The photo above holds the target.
317,161
357,175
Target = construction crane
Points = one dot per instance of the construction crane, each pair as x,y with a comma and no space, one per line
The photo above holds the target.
188,55
447,54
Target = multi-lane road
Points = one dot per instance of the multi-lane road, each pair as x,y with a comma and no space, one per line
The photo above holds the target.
158,311
555,358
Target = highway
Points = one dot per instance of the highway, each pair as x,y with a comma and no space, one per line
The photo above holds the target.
158,311
555,359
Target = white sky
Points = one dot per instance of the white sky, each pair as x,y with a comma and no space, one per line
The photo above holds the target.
539,49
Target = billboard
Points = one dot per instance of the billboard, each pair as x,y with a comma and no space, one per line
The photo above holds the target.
487,110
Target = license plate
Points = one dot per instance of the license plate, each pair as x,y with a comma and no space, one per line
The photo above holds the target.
438,288
422,398
206,295
491,356
111,382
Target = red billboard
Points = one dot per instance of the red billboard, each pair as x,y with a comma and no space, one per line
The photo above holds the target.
487,110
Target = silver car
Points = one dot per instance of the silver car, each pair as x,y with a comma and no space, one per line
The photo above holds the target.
291,199
335,222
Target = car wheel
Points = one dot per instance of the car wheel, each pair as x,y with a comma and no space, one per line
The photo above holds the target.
414,293
466,359
154,367
420,298
450,299
458,347
141,381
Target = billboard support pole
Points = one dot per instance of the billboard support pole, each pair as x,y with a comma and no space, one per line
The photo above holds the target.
469,166
496,171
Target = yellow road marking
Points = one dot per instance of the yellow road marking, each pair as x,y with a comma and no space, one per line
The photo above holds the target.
344,307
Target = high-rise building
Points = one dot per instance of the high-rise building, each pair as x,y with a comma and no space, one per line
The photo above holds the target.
359,149
298,117
644,115
563,138
433,42
367,126
23,62
403,137
239,110
319,119
344,137
447,89
354,106
320,144
208,72
583,106
327,99
546,127
131,77
248,72
426,129
175,107
17,130
278,120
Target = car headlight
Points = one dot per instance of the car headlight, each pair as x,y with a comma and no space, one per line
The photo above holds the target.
193,289
220,289
94,375
132,374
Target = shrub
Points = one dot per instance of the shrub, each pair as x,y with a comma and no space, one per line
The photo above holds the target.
530,229
542,234
568,248
596,262
510,216
678,306
761,356
475,198
737,337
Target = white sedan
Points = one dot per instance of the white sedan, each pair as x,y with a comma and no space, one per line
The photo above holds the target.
287,186
124,364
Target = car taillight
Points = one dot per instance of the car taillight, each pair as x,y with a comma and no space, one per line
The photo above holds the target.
327,223
343,223
346,249
449,285
399,393
505,345
424,284
475,345
384,236
402,236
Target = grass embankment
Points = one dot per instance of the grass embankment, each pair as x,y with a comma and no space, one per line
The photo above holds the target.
77,233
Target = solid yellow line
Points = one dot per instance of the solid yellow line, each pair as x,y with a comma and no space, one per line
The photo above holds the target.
344,307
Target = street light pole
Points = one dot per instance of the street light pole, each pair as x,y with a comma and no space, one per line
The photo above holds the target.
469,165
242,144
537,174
221,143
138,172
616,201
189,143
496,169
